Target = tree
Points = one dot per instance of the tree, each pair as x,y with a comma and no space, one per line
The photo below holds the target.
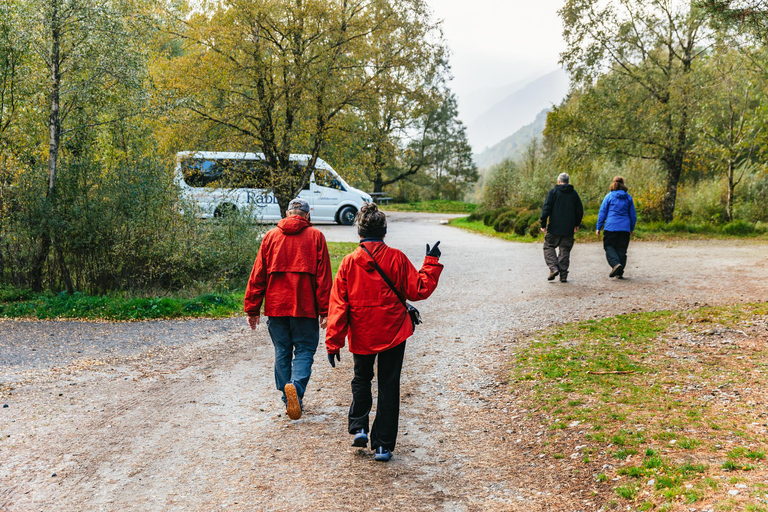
12,51
635,93
752,14
278,76
452,165
84,58
730,122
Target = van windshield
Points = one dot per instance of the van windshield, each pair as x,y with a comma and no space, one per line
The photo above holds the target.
225,173
324,178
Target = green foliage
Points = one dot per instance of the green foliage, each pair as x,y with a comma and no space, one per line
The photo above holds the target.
434,206
23,303
505,222
628,492
119,228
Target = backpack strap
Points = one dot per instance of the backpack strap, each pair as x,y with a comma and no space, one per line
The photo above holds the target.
384,276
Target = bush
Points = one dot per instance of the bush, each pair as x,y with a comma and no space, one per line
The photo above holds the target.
489,218
738,227
589,222
535,229
505,222
475,216
115,227
523,220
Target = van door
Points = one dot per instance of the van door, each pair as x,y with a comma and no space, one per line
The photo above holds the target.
326,195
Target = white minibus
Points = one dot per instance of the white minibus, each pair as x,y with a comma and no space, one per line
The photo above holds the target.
221,182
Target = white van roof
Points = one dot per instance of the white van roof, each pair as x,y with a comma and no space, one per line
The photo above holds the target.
235,155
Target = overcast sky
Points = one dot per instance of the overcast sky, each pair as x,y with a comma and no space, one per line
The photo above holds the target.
497,42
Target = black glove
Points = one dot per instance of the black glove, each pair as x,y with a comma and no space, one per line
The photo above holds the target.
434,251
331,356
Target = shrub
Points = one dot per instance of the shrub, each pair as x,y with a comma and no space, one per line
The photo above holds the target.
489,218
535,229
505,222
476,215
116,226
523,220
589,222
738,227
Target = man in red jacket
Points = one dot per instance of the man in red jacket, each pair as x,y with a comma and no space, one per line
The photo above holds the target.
293,272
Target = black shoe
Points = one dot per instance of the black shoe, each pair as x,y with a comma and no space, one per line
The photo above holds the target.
616,270
361,439
563,277
553,275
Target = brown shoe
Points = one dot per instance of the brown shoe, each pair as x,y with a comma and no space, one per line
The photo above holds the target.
292,406
553,275
616,270
564,277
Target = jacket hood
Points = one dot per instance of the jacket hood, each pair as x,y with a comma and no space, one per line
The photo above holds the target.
567,189
293,224
621,193
361,258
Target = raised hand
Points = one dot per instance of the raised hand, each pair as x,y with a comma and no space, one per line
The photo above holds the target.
434,251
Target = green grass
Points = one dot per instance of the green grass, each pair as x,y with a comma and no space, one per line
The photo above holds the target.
656,231
617,376
20,303
434,206
478,227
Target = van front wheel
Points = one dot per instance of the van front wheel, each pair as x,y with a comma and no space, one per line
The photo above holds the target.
347,216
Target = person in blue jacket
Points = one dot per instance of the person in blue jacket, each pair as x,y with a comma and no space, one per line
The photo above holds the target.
617,218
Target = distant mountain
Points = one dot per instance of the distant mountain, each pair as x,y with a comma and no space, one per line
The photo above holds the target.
475,104
516,110
514,145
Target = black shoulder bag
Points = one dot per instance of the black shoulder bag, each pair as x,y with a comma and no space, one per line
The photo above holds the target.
413,313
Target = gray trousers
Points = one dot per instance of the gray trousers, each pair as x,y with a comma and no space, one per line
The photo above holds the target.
554,261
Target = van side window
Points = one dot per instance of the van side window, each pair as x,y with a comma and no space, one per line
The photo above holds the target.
324,178
225,173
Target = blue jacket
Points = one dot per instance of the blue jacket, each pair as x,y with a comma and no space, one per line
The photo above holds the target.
617,213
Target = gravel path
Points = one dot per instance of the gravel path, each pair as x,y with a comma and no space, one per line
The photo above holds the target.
184,415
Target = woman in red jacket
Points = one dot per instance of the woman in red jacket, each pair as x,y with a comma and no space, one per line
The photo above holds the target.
364,309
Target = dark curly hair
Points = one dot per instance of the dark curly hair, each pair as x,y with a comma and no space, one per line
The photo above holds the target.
371,222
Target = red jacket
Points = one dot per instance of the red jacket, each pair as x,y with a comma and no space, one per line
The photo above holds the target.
293,271
364,308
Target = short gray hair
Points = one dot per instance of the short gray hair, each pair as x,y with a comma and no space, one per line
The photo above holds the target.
564,178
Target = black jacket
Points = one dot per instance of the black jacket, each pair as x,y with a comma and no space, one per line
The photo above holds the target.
563,209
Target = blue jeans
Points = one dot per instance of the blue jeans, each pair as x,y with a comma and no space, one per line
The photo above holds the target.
295,341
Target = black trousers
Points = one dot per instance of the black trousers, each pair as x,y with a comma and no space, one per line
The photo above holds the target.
384,431
615,244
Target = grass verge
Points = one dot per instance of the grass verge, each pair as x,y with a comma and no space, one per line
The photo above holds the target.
664,408
435,206
20,303
650,232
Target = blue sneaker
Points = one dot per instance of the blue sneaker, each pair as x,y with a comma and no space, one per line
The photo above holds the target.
382,454
361,439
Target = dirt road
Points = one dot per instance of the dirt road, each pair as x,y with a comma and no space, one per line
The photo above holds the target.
188,418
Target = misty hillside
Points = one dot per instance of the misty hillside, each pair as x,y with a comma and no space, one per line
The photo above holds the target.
517,110
477,103
514,145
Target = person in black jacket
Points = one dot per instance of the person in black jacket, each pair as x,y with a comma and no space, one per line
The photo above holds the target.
563,209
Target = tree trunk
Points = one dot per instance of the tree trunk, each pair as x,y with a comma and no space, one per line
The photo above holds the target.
378,184
674,165
729,198
54,129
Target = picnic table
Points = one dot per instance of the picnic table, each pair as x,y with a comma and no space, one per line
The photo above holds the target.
380,198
